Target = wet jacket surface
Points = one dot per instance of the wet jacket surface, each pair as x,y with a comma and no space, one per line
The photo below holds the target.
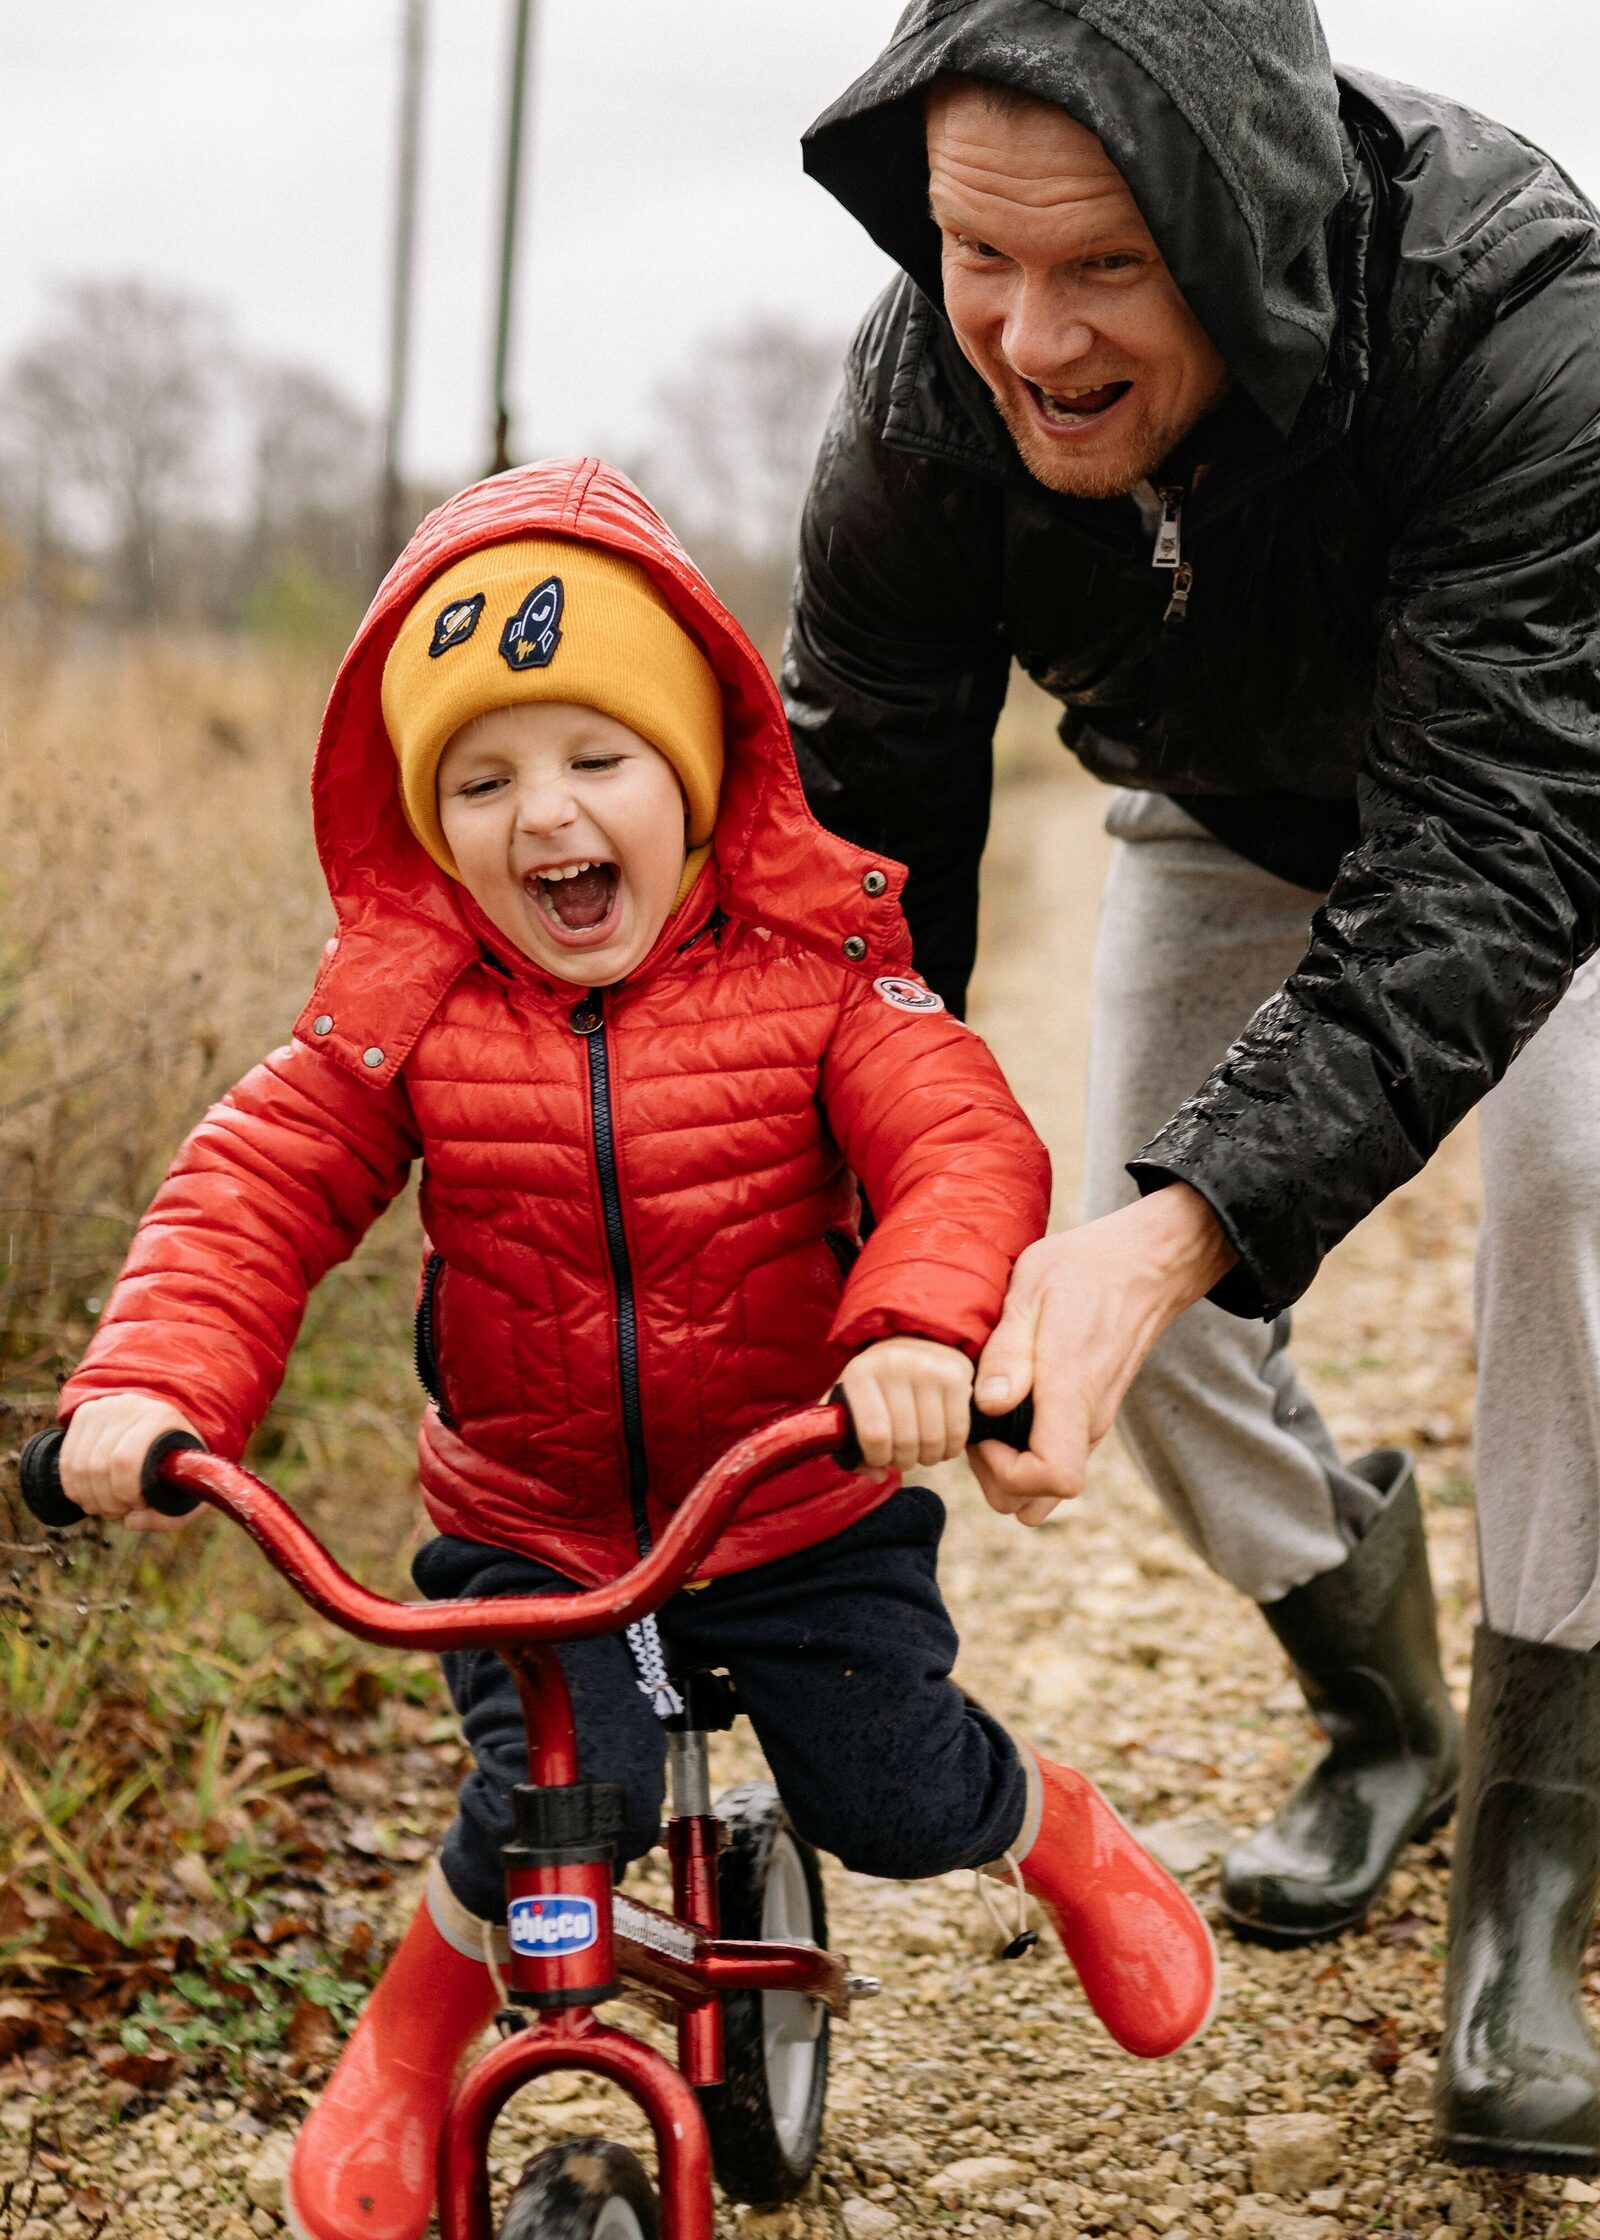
1386,675
640,1202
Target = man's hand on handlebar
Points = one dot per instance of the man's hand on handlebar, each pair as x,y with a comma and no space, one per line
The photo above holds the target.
1082,1313
106,1444
910,1400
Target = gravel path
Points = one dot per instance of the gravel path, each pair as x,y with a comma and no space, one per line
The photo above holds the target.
979,2098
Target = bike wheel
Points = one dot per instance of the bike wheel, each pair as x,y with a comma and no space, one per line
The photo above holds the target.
765,2118
584,2189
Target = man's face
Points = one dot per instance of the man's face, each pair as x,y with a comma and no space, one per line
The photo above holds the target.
1060,298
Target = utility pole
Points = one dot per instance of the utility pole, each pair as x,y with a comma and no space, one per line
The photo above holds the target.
392,524
521,49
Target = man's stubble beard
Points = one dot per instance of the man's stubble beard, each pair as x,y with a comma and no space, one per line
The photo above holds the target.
1137,456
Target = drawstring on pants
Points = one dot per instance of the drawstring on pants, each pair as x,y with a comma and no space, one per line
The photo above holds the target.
644,1639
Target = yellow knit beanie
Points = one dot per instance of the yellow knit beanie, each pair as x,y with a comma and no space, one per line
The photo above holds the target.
549,619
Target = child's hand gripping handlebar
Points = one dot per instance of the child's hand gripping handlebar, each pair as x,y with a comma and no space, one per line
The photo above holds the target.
179,1474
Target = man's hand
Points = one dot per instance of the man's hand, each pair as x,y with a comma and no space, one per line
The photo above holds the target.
910,1401
103,1456
1083,1311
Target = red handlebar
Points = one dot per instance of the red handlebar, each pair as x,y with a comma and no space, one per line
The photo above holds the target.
507,1621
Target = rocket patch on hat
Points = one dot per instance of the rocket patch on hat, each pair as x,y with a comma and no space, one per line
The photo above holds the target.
454,624
530,638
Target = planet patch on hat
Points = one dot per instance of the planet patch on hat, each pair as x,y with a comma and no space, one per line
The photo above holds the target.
454,624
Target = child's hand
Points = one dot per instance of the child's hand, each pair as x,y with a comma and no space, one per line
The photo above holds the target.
910,1400
106,1443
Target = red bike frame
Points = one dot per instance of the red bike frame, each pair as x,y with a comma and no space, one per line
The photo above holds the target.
678,1957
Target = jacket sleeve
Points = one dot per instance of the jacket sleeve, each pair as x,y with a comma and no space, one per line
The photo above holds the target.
956,1176
1456,923
894,668
279,1182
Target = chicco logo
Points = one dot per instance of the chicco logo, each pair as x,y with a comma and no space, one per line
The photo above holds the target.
550,1928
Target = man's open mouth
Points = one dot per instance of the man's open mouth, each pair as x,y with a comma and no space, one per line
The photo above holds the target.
577,898
1077,408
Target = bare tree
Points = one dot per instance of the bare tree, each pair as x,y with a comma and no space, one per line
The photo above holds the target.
738,435
118,398
313,463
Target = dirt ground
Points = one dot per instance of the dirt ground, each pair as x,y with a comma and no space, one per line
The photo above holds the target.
980,2098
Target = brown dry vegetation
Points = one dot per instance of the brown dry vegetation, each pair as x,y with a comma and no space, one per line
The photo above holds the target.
160,918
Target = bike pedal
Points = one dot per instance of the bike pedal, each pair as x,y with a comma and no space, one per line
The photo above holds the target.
1023,1942
509,2021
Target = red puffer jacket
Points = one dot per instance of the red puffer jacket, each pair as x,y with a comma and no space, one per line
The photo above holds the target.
640,1202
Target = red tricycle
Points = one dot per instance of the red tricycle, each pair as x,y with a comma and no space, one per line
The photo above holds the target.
742,1957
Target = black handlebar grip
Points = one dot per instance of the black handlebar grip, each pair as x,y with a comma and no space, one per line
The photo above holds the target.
39,1470
168,1501
1013,1429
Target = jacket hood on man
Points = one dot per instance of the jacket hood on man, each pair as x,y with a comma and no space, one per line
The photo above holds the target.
1222,115
406,931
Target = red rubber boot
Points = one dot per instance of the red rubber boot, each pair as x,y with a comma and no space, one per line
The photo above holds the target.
363,2166
1141,1950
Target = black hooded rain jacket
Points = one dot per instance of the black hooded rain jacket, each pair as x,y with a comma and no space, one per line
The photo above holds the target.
1379,667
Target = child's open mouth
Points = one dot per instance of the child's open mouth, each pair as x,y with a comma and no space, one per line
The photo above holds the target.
1075,411
578,899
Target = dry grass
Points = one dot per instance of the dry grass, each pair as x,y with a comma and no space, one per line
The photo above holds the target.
161,914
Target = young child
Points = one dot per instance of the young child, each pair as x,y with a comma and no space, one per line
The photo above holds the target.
644,1023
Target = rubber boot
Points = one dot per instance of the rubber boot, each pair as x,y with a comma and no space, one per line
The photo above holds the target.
1518,2082
1364,1643
364,2163
1141,1950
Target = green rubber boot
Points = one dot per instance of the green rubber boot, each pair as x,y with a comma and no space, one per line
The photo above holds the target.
1365,1648
1518,2085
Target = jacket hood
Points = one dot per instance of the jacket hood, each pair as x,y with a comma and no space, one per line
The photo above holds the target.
406,932
1222,115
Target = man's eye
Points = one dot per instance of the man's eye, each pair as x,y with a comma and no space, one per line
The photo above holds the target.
1120,260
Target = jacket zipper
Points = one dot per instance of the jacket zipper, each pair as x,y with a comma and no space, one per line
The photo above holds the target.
426,1336
1168,553
589,1020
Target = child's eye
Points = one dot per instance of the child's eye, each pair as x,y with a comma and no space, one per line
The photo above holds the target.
476,789
598,762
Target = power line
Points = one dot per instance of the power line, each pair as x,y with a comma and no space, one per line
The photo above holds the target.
391,520
521,52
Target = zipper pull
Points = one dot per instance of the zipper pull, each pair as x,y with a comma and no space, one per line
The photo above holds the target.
1182,585
1169,532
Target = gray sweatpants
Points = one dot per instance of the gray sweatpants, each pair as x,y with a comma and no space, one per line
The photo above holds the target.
1192,939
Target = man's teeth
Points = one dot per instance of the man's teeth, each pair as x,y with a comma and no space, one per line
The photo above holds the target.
1078,402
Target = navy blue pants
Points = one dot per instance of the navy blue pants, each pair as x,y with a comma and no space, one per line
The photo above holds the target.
841,1658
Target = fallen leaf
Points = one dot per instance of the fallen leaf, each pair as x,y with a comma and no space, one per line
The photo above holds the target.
190,1871
19,2026
310,2032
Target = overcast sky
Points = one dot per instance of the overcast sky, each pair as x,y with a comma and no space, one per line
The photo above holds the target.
244,150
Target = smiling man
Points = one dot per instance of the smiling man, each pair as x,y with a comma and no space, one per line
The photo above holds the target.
1254,409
